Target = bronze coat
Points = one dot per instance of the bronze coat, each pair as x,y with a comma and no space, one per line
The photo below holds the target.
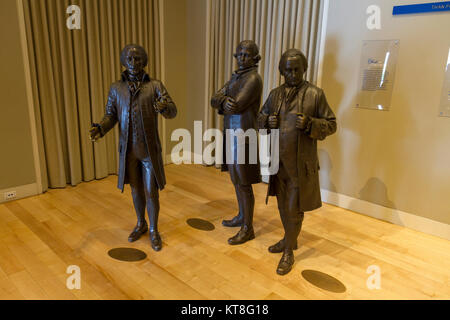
118,110
322,123
245,87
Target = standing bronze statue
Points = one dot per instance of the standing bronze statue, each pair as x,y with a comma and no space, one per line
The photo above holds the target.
239,101
301,113
135,102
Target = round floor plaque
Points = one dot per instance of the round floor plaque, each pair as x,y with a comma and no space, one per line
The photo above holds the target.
323,281
127,254
200,224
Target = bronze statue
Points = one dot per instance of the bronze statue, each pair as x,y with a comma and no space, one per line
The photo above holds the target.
135,102
301,113
239,101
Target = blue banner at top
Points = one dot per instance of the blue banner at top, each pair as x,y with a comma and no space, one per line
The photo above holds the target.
422,8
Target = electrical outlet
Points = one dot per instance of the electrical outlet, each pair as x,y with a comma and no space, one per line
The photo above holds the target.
10,195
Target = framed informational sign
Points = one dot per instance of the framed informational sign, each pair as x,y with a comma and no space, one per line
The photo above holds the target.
377,74
444,107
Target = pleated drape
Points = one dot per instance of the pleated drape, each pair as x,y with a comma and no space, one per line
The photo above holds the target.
275,25
71,73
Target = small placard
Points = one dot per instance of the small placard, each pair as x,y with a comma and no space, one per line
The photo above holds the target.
377,74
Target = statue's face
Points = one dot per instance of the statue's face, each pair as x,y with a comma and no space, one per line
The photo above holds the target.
134,62
245,58
293,71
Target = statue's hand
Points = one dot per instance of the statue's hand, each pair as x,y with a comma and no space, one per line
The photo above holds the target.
273,122
301,121
160,106
95,133
230,105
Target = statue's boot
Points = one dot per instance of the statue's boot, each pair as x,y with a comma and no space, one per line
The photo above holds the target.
246,203
138,231
155,240
280,246
238,220
139,206
244,235
235,222
286,263
292,228
153,215
292,231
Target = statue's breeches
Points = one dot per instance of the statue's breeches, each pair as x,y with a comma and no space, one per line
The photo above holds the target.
141,177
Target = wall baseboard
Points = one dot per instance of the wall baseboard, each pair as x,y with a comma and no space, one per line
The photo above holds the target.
394,216
21,192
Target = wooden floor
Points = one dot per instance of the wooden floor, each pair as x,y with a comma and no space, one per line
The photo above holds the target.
43,235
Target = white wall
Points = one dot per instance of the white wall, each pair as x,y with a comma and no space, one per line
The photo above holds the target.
398,159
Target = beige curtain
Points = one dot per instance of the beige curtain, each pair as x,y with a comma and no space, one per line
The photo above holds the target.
275,25
71,73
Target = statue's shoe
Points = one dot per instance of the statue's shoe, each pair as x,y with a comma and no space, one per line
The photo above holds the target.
286,263
244,235
137,232
235,222
279,247
155,241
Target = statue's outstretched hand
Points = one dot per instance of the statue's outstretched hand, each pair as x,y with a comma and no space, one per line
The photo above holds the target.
95,133
160,105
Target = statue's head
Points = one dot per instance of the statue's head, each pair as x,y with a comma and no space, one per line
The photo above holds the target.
134,58
247,54
293,65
